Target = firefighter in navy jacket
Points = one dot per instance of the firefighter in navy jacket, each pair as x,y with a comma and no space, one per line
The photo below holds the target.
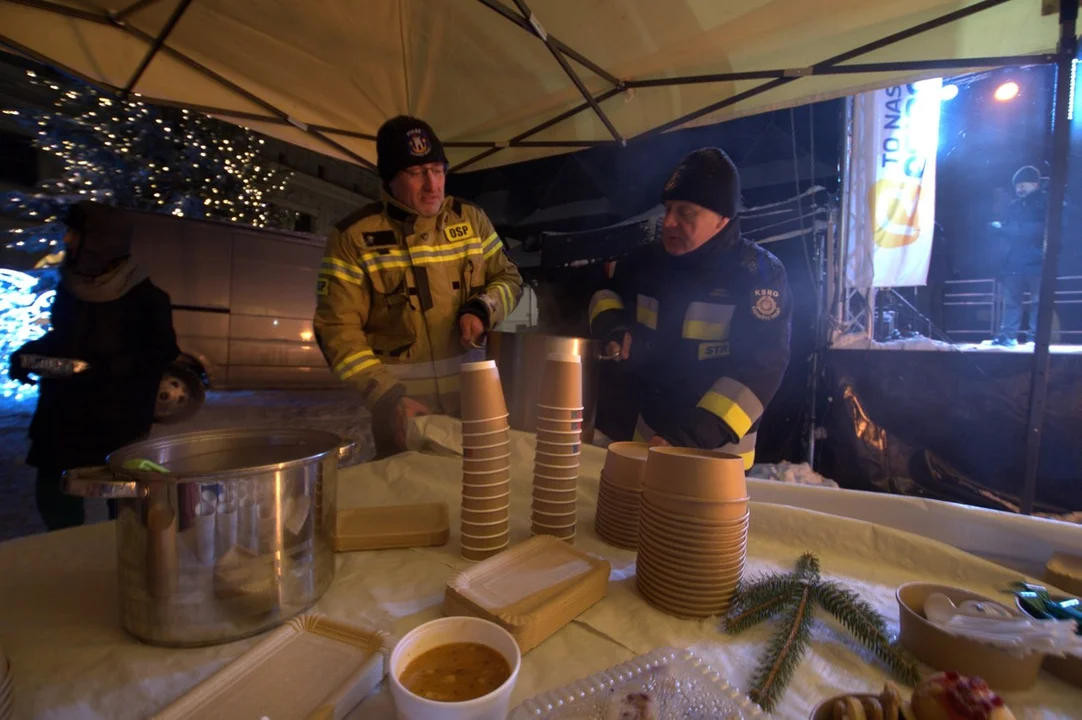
703,319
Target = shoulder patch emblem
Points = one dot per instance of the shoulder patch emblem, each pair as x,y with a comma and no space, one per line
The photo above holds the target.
459,232
764,304
323,287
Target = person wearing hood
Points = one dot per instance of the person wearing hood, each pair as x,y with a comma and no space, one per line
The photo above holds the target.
702,320
108,314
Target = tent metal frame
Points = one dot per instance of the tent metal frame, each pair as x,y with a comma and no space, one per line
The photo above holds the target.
1065,53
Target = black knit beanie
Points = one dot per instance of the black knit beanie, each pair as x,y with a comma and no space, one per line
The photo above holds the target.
1027,174
403,142
706,177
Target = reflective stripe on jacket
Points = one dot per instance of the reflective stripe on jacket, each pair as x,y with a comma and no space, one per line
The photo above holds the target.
710,338
390,290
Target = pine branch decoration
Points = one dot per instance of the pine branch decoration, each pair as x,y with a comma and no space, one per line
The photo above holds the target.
792,597
867,626
760,601
787,649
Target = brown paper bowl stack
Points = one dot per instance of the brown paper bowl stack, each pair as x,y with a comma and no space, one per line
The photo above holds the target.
559,442
619,494
693,530
486,462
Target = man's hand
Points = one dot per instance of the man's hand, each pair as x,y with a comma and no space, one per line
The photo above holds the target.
405,410
619,351
472,329
658,441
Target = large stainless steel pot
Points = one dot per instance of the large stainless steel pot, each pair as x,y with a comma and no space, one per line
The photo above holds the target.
520,357
233,539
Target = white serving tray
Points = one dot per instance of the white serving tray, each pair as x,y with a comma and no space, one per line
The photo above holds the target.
678,683
311,667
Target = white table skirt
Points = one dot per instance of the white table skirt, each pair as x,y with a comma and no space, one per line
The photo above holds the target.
59,621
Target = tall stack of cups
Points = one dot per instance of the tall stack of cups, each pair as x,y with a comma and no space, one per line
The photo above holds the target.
559,440
486,462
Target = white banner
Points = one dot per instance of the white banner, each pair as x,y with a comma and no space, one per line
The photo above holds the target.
891,197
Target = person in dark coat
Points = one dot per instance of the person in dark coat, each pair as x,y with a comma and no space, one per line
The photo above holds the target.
108,314
1024,225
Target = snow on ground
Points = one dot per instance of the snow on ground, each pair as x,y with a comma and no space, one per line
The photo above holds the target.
337,411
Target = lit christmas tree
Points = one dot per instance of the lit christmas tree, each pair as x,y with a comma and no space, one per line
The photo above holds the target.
131,154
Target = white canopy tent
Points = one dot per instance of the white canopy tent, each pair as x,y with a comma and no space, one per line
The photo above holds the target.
503,81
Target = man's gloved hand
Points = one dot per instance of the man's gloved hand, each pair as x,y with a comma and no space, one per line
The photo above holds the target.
619,350
17,372
472,329
405,410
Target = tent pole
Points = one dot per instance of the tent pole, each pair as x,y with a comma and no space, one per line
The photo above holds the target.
1053,231
171,23
524,23
568,70
849,69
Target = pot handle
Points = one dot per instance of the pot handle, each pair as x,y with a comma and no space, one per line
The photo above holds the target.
97,482
348,453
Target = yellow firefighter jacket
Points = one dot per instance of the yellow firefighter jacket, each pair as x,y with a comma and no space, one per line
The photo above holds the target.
390,292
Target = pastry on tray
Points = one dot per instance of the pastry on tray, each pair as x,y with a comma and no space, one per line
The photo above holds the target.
950,696
889,705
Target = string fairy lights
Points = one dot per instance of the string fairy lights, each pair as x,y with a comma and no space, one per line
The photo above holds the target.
128,153
136,155
24,316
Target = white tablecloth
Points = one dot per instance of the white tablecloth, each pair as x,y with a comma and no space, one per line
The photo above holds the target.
59,620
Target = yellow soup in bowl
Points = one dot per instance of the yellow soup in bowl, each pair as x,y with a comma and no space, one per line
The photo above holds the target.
456,672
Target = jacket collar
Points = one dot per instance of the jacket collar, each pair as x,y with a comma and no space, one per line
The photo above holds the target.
407,217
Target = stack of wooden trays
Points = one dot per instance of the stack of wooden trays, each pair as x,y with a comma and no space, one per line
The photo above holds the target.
619,494
486,462
559,442
531,590
693,531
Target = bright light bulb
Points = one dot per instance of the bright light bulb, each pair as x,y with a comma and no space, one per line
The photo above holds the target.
1007,91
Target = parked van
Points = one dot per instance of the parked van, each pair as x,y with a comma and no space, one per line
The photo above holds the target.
243,302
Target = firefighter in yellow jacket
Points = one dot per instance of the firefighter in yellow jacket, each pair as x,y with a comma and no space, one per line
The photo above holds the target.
408,285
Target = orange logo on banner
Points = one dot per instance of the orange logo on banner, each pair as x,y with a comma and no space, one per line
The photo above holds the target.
896,205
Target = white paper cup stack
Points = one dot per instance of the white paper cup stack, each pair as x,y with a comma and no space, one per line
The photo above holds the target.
620,493
486,462
559,442
693,531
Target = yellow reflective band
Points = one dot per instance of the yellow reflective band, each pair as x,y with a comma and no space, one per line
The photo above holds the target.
331,264
637,437
604,305
354,363
399,258
730,413
701,330
344,277
491,245
646,311
346,375
507,294
646,316
748,457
